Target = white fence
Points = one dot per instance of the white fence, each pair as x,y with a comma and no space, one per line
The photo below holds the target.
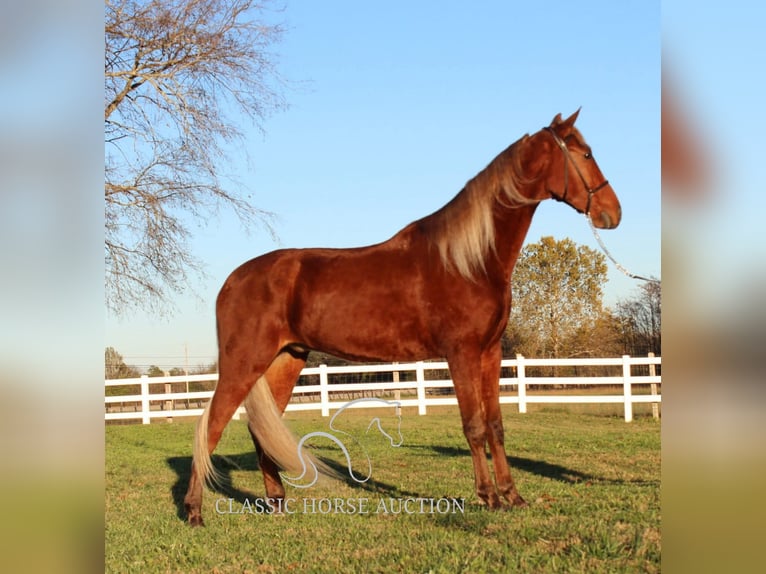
419,391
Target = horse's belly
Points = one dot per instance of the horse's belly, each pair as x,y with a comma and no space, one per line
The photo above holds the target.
366,323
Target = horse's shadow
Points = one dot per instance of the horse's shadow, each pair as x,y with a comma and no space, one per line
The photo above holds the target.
181,465
535,466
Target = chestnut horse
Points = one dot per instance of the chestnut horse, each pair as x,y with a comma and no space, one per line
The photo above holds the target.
440,287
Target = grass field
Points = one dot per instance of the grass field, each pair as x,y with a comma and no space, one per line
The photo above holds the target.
593,483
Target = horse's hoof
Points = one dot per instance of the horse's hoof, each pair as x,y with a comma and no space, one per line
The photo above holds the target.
493,502
196,520
519,502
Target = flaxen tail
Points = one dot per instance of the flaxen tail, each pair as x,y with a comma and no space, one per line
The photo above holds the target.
203,464
277,441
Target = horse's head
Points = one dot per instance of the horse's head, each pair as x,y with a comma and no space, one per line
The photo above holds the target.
573,176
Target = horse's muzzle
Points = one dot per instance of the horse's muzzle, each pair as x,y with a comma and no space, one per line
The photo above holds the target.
606,221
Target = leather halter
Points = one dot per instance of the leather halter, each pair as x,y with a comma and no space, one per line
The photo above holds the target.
568,157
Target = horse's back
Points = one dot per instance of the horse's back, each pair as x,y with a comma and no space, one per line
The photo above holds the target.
363,303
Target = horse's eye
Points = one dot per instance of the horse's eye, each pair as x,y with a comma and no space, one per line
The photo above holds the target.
588,155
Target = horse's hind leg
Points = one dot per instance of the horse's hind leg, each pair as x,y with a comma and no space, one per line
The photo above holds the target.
238,372
227,398
281,376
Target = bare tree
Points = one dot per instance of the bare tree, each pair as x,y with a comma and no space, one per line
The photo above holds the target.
641,320
179,76
115,367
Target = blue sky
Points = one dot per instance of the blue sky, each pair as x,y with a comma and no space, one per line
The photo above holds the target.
396,105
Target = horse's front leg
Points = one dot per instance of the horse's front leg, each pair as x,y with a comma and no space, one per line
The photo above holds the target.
490,396
467,382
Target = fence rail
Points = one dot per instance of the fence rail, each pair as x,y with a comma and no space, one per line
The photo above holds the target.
409,385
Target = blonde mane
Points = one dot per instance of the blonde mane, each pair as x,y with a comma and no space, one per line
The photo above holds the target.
463,231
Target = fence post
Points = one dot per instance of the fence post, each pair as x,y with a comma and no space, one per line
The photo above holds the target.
420,376
324,391
626,388
522,385
397,392
653,372
169,404
145,399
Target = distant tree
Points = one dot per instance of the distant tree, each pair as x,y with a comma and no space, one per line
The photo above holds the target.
179,74
205,369
176,372
601,338
155,371
115,367
557,291
640,320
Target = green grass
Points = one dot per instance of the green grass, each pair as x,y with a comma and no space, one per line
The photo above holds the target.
593,483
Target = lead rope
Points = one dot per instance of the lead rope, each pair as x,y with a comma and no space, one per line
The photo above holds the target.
609,255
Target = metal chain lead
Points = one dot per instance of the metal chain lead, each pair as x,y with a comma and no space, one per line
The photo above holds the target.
609,255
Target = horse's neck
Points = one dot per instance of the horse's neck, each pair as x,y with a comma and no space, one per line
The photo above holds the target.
511,227
511,218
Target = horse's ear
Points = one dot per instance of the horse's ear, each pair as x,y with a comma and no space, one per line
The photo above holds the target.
564,127
569,122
